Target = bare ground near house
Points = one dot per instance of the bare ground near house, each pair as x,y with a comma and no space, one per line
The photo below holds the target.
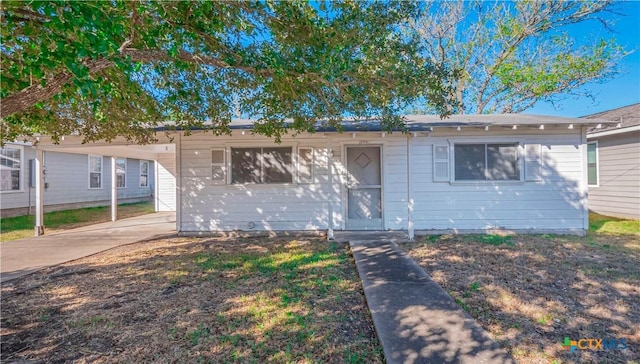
530,292
193,300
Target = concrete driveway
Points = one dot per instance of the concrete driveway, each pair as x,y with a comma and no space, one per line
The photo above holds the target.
24,256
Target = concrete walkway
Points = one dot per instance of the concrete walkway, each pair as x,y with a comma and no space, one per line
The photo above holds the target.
24,256
415,319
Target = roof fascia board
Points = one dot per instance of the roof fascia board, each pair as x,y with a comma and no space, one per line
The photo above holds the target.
612,132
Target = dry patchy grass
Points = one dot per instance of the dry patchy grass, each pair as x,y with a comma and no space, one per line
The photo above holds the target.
194,300
530,292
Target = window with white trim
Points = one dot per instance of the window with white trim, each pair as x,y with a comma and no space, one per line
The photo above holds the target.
121,172
305,165
486,162
592,163
218,166
441,163
262,165
95,171
10,169
144,173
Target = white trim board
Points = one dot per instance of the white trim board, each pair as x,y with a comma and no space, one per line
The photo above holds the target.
598,134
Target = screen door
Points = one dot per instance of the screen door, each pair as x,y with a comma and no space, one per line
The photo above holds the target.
364,188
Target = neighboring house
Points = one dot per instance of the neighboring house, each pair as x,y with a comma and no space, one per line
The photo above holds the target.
614,163
470,173
70,180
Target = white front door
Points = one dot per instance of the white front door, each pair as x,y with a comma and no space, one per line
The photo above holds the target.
364,188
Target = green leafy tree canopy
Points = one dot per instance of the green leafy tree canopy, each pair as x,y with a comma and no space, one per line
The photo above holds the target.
119,68
510,55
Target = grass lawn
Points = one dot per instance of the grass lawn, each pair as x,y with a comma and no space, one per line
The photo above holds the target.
13,228
194,300
531,291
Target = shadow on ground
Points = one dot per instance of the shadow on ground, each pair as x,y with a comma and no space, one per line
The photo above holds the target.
530,292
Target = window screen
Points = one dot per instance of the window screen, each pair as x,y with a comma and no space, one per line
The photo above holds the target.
10,164
261,165
95,171
482,162
121,172
144,173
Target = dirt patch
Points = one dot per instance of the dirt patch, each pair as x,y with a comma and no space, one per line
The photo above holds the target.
530,292
193,300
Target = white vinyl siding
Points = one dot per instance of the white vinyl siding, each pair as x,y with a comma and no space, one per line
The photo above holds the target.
95,172
533,163
166,182
394,181
11,162
207,206
556,201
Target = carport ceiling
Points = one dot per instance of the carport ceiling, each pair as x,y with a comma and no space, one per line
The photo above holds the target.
116,148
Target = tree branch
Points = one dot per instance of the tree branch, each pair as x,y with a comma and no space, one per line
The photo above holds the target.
29,96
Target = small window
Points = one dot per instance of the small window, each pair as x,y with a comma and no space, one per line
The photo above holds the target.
144,173
592,163
218,167
441,163
305,165
486,162
10,167
95,171
121,172
261,165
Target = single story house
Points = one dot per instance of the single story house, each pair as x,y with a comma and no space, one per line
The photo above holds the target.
468,173
73,180
614,163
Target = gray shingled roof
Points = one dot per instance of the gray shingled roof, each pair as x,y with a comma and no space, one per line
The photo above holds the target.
428,122
627,116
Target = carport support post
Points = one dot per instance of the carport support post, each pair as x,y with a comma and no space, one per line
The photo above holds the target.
39,227
114,190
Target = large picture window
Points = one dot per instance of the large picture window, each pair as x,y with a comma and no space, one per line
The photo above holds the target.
121,172
95,171
592,163
261,165
487,162
10,165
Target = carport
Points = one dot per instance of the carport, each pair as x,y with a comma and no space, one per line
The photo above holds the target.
162,153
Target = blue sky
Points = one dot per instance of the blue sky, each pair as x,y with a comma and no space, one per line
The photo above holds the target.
620,91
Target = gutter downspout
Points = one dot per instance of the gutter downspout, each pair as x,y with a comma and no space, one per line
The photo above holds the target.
178,182
410,228
585,177
39,227
331,187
